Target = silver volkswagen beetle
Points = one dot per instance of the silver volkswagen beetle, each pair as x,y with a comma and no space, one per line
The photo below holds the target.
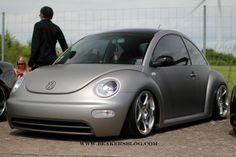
131,81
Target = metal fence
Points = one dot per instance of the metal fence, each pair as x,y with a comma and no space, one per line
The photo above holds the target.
220,24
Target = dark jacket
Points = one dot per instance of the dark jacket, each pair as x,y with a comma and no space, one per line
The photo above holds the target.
43,47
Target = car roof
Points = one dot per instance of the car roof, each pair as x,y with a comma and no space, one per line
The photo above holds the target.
135,30
140,31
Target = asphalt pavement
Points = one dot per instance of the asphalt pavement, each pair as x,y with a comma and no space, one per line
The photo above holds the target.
206,138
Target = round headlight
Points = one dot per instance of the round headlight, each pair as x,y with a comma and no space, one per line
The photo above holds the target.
107,87
17,85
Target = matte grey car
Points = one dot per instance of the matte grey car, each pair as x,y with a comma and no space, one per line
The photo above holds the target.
233,109
131,81
7,80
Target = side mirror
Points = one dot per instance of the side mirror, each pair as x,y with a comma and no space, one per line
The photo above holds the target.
184,60
163,61
72,54
1,71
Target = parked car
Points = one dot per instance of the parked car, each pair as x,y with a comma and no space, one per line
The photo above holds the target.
131,81
233,109
7,80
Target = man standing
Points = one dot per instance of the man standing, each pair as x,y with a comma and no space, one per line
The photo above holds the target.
45,36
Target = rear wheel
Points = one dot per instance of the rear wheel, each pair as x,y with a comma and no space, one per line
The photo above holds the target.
3,99
141,117
221,105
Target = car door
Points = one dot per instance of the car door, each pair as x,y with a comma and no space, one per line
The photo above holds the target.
200,66
176,78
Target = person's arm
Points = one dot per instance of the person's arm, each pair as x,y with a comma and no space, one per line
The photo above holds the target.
35,45
62,40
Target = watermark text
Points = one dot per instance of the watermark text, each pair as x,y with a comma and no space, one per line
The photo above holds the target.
118,143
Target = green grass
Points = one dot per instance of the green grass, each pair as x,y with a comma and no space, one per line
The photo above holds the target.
229,73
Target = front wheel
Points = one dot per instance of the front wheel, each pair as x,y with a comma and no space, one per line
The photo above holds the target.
3,102
141,117
221,106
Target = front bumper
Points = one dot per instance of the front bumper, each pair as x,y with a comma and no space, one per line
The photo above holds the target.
74,116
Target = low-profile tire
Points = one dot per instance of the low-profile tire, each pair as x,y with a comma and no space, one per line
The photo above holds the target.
221,103
141,116
3,102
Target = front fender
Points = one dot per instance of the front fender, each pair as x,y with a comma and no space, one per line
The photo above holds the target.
135,81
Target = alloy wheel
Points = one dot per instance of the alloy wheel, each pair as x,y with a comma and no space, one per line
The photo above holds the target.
2,101
145,112
222,101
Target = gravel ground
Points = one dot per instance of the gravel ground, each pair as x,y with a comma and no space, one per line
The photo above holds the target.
206,138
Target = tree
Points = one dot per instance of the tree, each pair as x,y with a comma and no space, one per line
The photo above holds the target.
13,49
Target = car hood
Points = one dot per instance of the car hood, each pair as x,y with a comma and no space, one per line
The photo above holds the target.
61,79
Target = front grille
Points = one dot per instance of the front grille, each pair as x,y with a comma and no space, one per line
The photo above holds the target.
52,126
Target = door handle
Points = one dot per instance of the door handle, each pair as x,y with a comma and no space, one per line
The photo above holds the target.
193,75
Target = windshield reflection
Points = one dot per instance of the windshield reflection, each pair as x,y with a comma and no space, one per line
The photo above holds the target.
107,49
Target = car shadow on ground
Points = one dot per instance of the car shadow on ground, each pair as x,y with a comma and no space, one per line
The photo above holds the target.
66,137
3,119
182,126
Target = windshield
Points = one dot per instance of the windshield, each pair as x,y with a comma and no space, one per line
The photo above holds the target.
107,49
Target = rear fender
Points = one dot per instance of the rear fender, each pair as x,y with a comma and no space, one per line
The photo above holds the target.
215,79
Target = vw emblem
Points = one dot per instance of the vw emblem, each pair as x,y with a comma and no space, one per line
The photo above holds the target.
50,85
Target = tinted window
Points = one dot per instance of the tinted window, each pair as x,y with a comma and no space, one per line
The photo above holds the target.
107,49
173,46
195,54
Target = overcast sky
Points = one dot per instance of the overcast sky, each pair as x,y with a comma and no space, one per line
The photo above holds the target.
73,5
81,17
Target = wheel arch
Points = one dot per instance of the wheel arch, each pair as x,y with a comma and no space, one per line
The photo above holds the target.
157,100
150,85
215,80
135,81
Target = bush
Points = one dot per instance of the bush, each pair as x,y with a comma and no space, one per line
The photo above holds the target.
216,58
13,49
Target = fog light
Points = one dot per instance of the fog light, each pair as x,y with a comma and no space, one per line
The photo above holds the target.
103,113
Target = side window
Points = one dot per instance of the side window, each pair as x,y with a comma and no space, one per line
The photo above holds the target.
195,54
173,46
